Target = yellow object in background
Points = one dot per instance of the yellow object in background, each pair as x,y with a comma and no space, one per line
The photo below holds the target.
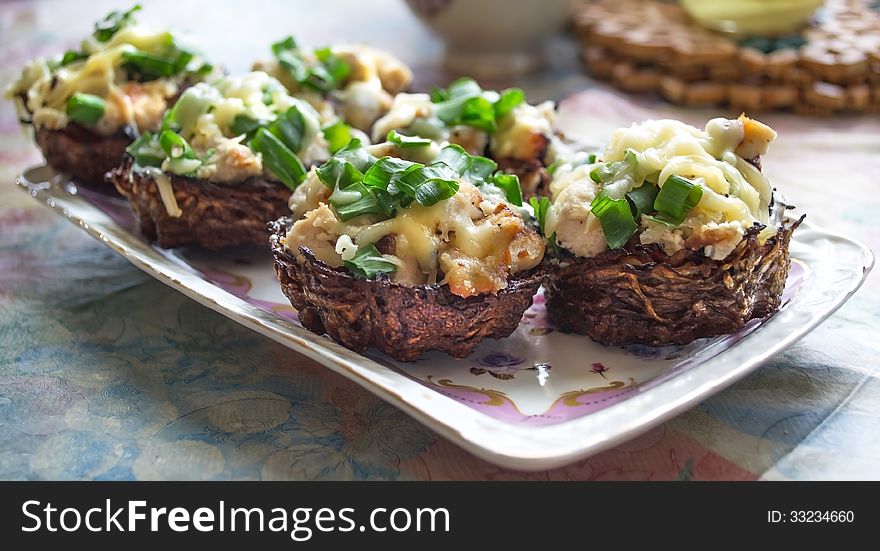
752,17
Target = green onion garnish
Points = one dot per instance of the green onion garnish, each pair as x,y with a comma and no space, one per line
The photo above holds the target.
243,124
71,56
328,73
384,170
146,66
113,22
617,170
406,141
332,71
616,218
346,166
85,108
509,100
337,135
474,111
283,163
641,199
480,170
464,102
455,157
175,146
362,184
358,200
368,262
182,159
540,206
509,183
146,151
431,184
290,128
675,200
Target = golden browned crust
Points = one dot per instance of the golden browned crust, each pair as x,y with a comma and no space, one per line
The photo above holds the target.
214,216
643,296
402,321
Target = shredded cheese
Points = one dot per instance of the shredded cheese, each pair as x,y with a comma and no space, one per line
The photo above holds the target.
166,192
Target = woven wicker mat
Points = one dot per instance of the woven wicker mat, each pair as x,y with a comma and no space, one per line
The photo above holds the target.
833,65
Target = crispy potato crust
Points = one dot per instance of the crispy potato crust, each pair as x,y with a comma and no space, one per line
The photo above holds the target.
87,156
214,216
402,321
643,296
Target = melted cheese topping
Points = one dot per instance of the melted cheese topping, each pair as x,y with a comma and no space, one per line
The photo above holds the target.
472,240
128,103
736,195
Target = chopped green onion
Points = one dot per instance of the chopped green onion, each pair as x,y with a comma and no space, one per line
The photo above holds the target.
368,263
204,69
358,200
675,200
175,146
243,124
554,166
509,183
435,190
614,171
290,127
464,102
406,141
182,61
337,135
287,43
641,199
346,166
113,22
327,74
337,70
181,157
283,163
431,127
480,170
431,184
554,245
509,100
578,160
476,111
294,65
147,66
146,151
540,206
85,108
384,170
463,86
616,218
455,157
71,56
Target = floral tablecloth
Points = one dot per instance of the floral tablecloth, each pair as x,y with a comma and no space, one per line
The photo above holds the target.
107,374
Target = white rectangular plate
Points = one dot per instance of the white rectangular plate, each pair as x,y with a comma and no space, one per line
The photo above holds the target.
535,400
